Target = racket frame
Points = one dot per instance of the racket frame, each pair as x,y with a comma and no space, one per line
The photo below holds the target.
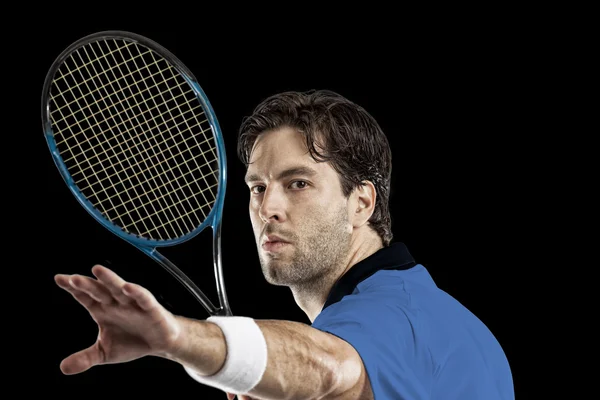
145,245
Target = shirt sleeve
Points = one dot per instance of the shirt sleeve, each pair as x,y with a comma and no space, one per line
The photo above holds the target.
383,334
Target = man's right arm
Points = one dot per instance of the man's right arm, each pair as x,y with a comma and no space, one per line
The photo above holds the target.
302,362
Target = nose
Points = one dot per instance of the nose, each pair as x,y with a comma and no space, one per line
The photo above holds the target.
272,207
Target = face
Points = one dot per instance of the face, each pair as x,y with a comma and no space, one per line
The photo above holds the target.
299,215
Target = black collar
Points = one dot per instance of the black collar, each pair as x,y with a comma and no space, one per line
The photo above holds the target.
395,256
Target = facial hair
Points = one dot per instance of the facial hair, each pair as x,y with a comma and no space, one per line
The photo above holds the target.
321,246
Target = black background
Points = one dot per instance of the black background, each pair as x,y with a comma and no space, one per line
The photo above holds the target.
454,106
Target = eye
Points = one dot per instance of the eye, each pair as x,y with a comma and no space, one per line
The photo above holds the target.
257,189
298,185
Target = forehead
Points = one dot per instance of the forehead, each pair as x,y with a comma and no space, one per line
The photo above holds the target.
284,140
277,150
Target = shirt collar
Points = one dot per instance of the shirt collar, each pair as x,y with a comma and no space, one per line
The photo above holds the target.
395,256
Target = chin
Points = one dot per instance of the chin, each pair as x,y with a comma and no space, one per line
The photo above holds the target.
272,273
272,279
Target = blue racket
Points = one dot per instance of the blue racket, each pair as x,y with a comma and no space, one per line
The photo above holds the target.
138,144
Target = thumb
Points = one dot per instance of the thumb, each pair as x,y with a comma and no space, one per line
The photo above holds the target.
82,360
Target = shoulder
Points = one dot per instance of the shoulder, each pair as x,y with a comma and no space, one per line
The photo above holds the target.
379,320
379,314
386,298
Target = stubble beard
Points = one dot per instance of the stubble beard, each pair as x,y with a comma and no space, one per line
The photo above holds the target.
320,248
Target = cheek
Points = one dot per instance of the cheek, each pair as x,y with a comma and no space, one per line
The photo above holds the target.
314,215
254,204
254,217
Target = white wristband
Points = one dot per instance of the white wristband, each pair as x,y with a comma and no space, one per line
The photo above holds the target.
246,359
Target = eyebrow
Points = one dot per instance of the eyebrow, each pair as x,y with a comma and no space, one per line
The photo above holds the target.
306,171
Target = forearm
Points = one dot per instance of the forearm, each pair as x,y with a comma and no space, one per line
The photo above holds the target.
302,362
299,363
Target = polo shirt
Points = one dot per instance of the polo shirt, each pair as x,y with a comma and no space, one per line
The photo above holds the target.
416,341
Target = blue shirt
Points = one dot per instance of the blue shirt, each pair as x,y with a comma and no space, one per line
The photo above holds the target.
415,340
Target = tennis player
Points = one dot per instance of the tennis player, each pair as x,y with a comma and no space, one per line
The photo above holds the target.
318,173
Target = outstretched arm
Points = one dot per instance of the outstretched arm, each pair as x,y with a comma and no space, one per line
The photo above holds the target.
302,362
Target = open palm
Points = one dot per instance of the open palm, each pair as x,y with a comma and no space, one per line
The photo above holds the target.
131,322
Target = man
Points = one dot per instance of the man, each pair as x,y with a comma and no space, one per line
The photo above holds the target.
318,171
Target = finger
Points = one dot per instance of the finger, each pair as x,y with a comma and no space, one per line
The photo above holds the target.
144,299
92,288
113,282
230,396
82,360
64,282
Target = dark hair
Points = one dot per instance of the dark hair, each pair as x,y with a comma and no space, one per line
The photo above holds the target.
351,140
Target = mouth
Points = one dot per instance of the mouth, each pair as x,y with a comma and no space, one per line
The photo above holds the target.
274,243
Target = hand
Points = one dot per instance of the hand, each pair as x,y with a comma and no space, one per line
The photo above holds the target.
131,322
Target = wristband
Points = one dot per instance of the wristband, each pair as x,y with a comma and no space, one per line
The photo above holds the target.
246,359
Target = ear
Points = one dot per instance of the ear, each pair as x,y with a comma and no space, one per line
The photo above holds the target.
363,203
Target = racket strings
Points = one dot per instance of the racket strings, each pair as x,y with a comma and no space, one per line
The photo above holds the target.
110,199
106,109
138,183
75,100
126,140
213,156
136,142
172,218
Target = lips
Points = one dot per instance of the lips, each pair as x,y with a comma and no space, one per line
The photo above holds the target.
273,243
274,238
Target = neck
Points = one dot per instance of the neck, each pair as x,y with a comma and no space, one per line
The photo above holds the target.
312,296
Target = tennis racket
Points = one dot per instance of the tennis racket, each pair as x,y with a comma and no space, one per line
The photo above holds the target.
139,146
